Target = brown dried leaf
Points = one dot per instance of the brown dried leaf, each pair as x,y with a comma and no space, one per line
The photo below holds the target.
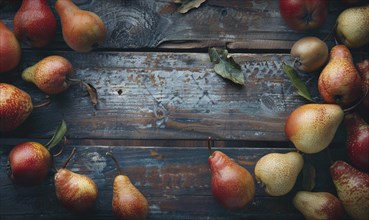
188,5
92,92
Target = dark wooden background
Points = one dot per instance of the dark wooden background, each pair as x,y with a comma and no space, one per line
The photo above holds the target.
159,101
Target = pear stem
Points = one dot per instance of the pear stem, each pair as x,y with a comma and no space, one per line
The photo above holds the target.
70,157
358,102
43,104
62,149
210,145
115,161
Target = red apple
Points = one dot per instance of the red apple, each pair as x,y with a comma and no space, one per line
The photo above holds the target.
304,14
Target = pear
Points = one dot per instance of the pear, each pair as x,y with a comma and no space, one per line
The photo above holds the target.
29,163
82,30
352,26
76,192
50,74
15,107
9,49
35,23
128,202
339,82
357,141
231,184
363,68
318,205
278,172
311,127
352,188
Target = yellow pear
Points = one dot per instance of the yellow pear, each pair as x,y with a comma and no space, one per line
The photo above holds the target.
353,26
311,127
278,172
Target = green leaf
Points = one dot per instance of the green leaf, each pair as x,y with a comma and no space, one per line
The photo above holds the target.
225,65
301,87
188,5
58,135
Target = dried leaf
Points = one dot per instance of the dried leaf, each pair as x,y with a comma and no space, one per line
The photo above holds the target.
92,92
188,5
58,135
308,176
300,86
225,65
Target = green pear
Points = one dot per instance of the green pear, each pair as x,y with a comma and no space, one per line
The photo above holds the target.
278,172
353,26
311,127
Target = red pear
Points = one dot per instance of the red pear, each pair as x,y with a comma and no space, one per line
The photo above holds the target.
15,107
10,51
340,82
363,68
82,30
352,188
29,163
34,23
76,192
50,74
357,142
231,184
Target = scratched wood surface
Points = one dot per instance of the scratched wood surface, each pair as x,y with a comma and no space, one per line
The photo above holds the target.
236,24
167,95
175,181
159,101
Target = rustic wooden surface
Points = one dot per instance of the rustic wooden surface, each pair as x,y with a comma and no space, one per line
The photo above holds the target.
159,101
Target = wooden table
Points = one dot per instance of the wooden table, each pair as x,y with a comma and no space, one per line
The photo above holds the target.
160,100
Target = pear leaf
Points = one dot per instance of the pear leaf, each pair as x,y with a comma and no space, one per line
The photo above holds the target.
308,176
225,65
58,135
92,92
188,5
300,86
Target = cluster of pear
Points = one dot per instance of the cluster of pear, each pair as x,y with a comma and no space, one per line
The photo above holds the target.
35,25
312,127
29,163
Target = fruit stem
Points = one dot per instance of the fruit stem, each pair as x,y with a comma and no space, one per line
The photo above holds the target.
331,33
43,104
70,157
62,149
210,145
115,161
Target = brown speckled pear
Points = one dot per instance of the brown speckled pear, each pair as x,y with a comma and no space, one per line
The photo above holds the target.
311,127
318,205
339,82
352,188
50,74
9,49
82,30
128,202
76,192
278,172
15,107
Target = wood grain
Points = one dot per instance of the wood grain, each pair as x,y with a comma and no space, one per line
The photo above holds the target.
157,95
234,24
175,181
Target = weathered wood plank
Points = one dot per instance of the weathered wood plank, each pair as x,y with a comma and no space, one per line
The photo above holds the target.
156,24
176,181
166,96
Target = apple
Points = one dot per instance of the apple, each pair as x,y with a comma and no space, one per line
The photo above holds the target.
304,15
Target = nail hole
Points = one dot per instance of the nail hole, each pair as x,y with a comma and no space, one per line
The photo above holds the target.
120,92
